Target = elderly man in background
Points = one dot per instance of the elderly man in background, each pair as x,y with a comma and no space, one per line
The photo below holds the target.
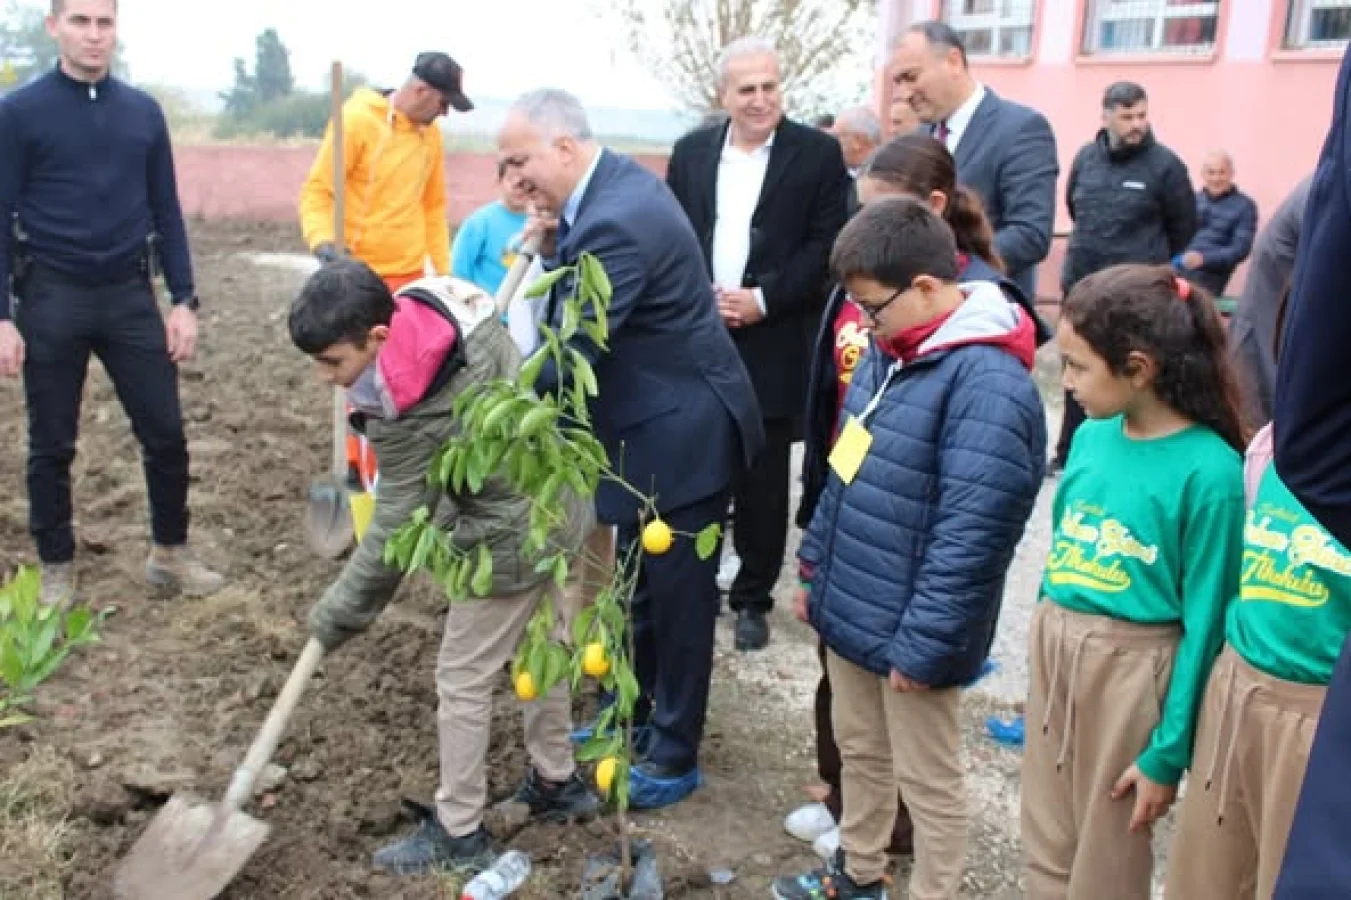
859,132
766,196
1004,151
1226,223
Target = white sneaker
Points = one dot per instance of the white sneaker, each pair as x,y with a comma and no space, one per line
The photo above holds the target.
809,822
826,845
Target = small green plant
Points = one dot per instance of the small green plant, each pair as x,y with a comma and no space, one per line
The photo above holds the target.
545,448
35,640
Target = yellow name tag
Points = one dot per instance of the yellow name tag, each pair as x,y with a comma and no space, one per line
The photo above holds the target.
847,456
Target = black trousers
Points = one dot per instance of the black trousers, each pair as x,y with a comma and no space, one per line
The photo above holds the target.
62,323
675,608
760,533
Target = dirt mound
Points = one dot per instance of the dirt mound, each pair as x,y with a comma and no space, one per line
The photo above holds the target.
172,698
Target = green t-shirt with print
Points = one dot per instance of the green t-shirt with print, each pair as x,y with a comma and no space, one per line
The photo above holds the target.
1294,603
1150,531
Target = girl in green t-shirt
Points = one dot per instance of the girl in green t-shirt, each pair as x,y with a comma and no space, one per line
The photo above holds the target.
1148,521
1265,696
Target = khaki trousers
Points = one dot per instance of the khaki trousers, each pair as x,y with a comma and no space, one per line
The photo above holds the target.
911,741
480,639
591,571
1096,690
1252,747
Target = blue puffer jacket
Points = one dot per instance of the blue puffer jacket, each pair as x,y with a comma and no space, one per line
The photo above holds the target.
907,561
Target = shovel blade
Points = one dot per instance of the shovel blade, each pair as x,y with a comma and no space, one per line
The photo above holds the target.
328,517
186,854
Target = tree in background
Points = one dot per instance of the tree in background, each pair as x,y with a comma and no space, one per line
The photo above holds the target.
825,46
272,78
27,50
265,101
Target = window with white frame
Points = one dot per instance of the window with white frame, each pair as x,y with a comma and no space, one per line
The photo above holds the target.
1183,27
1318,24
992,28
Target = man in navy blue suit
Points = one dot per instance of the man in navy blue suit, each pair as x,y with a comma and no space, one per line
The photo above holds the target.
1313,457
676,411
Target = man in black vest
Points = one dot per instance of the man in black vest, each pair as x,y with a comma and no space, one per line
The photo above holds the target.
766,196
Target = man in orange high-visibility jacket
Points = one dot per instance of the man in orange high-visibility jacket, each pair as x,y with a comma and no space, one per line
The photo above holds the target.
395,217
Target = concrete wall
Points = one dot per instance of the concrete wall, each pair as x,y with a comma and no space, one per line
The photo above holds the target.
263,182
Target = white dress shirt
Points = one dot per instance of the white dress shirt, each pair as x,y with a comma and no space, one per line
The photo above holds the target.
961,117
741,176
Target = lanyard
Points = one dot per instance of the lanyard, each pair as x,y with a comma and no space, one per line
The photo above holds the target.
877,397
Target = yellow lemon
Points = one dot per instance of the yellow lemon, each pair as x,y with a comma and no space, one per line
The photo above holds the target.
594,661
657,537
525,687
606,770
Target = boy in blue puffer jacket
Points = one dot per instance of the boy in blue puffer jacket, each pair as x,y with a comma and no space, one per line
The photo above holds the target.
933,477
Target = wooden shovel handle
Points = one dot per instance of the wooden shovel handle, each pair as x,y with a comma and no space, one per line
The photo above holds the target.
339,243
269,736
516,274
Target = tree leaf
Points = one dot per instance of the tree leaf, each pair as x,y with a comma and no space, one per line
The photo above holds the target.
483,574
540,286
706,543
531,369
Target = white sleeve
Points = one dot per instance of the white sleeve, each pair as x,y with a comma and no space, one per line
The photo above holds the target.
523,314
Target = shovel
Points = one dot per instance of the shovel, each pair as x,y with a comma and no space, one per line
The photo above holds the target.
328,517
191,851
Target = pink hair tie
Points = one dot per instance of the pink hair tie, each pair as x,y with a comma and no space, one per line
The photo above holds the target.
1184,287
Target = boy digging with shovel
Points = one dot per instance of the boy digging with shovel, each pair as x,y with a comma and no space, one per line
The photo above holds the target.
403,359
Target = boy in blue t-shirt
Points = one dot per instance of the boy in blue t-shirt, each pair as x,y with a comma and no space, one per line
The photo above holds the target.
483,248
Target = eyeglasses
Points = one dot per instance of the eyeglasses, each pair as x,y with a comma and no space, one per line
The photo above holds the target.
874,310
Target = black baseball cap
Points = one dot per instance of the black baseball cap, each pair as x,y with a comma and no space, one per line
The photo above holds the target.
444,74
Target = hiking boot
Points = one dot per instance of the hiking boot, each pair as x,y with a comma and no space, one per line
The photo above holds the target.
566,801
57,584
178,570
828,883
429,848
752,630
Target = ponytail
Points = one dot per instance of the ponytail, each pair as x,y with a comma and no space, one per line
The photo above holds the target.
1147,309
965,214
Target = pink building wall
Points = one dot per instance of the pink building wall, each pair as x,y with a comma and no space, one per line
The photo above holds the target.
1267,106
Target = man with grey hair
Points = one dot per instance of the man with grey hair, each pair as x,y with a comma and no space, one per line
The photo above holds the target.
859,132
1004,151
766,196
676,412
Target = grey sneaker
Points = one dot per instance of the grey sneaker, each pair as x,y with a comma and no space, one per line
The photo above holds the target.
58,584
429,848
177,569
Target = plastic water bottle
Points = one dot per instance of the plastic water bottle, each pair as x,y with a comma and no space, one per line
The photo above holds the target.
504,878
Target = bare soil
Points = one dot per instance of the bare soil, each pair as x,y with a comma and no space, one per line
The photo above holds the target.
174,694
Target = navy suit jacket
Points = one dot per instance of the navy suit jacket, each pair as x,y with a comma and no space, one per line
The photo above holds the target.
676,411
1007,156
1313,457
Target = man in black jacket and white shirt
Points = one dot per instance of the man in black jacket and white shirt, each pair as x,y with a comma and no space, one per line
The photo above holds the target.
1131,201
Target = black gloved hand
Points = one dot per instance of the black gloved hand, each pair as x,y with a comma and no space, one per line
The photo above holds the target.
327,253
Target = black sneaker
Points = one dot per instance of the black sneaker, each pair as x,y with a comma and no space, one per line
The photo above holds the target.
752,630
569,801
430,848
828,883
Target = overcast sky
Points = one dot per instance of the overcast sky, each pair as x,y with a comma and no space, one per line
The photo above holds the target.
505,46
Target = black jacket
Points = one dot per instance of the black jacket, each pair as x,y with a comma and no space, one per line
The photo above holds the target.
801,210
1129,205
822,407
